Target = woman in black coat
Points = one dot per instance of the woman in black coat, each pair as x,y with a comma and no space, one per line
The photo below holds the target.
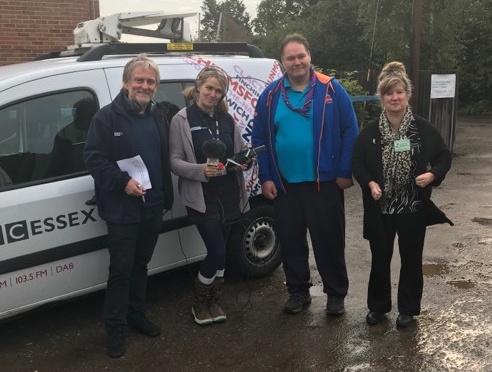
397,159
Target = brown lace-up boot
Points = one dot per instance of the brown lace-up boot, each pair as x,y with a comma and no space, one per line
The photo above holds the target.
200,309
217,313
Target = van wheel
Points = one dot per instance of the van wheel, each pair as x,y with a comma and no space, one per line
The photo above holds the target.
253,249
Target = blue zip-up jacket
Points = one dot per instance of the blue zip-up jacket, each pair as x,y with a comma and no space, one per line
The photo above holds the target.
110,138
335,131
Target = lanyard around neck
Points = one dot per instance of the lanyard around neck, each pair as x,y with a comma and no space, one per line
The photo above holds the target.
217,132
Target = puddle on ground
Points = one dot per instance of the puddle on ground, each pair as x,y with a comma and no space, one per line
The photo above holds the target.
482,221
435,269
462,284
456,338
485,241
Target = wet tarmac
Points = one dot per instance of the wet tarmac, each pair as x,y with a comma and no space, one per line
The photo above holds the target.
453,333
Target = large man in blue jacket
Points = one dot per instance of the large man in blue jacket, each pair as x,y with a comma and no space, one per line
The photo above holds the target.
308,124
131,125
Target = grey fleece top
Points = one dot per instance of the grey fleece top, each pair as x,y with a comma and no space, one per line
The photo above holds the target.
184,165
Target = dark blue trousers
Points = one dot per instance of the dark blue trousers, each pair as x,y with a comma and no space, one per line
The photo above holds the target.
214,234
130,250
304,208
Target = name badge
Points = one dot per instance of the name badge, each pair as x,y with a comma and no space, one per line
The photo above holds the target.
402,145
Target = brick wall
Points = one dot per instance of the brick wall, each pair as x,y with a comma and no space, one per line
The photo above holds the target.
29,28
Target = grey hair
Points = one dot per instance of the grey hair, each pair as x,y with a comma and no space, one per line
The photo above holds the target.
142,61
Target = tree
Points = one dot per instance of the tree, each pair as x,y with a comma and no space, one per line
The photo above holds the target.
363,35
441,23
272,14
386,28
335,35
476,60
233,11
330,27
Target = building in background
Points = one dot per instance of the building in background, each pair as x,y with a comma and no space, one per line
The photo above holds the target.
31,28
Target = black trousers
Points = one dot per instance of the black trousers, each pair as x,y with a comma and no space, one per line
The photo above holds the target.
411,229
304,208
130,250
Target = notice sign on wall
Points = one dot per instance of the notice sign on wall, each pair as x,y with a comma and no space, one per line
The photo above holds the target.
443,86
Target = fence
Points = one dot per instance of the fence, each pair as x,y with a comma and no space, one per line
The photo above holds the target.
441,112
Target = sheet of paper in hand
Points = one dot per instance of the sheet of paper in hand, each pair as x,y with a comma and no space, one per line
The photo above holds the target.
137,170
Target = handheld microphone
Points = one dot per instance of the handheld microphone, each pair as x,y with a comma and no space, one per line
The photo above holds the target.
213,150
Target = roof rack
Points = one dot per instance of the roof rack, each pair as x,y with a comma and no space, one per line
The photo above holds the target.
99,51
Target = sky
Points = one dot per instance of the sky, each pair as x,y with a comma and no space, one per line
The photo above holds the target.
108,7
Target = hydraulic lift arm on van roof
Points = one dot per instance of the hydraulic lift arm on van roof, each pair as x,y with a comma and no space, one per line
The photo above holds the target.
99,37
110,28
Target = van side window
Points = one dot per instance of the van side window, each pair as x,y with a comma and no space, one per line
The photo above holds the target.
43,137
169,97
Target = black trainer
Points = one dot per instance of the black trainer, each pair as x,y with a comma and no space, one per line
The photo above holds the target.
116,340
141,324
296,302
335,305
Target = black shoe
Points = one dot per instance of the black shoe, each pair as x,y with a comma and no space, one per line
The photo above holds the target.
404,320
141,324
116,339
335,305
296,302
374,317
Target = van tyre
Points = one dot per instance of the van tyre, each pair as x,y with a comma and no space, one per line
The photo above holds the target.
253,248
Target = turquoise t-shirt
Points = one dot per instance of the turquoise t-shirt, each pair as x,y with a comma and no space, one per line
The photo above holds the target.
294,142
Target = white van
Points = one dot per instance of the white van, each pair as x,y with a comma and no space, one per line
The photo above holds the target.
52,241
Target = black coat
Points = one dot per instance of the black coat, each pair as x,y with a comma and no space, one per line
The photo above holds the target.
367,166
110,139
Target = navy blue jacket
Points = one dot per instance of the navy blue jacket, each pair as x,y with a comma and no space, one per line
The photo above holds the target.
110,138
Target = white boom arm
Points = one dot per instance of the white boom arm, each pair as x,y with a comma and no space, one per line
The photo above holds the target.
110,28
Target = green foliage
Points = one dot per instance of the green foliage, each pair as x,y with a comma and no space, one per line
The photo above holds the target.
273,14
335,37
476,108
349,80
386,29
363,35
328,26
475,81
212,14
441,23
365,111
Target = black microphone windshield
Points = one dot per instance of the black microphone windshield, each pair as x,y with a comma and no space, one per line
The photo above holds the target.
213,148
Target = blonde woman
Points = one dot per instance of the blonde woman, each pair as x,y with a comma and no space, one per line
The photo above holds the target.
214,197
397,159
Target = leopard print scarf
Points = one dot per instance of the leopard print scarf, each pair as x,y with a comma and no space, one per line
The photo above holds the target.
396,165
